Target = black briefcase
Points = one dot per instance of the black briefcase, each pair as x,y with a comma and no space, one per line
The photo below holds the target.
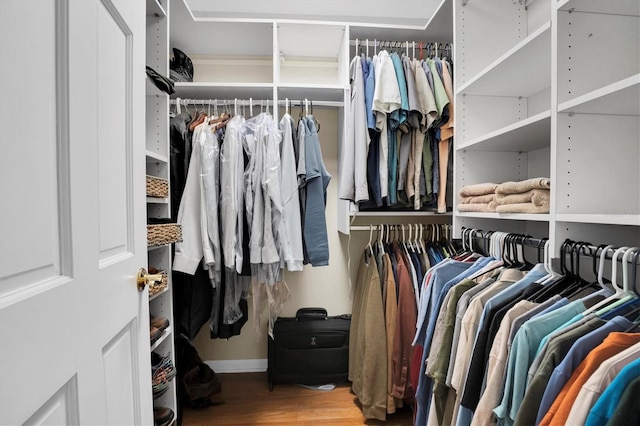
310,349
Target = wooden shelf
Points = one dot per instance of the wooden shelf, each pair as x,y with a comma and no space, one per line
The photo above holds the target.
618,7
521,72
619,98
605,219
507,216
526,135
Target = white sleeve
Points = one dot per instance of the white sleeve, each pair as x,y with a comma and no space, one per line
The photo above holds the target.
189,252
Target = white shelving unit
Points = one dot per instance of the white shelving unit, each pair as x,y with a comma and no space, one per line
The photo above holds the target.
157,161
530,103
280,59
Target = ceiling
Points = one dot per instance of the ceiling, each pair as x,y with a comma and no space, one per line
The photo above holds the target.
373,14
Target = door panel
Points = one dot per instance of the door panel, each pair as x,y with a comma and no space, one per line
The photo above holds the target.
75,348
120,375
113,132
32,250
60,409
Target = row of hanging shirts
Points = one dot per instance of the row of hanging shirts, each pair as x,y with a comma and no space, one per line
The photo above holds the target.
502,339
385,304
397,147
253,204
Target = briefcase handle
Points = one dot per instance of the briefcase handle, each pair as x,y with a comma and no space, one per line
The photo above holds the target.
311,314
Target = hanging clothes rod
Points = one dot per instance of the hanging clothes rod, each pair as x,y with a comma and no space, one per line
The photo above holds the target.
255,102
584,248
397,44
430,47
398,226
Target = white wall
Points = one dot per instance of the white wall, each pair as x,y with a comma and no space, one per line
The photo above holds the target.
326,286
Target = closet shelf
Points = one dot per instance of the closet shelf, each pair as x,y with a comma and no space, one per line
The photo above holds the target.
510,216
605,219
521,72
152,90
314,92
156,200
154,157
223,90
166,333
618,7
526,135
155,8
391,213
158,294
619,98
149,249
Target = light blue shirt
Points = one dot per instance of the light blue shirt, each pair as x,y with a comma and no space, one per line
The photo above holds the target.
523,352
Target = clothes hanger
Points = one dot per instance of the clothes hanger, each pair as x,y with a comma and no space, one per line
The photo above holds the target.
577,290
369,246
627,294
422,246
555,285
618,292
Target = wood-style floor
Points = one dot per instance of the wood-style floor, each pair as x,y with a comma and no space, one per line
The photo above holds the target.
247,401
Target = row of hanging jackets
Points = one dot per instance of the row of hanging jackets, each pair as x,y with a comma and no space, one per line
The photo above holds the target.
253,203
397,149
383,321
508,342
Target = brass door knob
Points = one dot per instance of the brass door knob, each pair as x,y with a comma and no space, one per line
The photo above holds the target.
144,278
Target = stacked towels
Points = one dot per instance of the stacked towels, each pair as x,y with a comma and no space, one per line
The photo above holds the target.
480,197
527,196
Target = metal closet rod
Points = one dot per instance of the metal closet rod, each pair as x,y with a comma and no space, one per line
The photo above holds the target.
397,226
255,102
584,248
397,44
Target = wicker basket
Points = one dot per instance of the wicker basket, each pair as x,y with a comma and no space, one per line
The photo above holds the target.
159,235
157,187
157,287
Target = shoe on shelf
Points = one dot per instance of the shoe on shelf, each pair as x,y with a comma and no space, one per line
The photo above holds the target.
162,416
162,365
180,67
154,334
159,383
161,323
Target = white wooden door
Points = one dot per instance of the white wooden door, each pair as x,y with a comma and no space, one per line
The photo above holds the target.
74,342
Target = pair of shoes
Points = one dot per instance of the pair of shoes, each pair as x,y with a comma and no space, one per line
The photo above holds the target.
180,67
156,326
162,372
162,416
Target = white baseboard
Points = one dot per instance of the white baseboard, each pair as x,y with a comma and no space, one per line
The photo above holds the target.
238,365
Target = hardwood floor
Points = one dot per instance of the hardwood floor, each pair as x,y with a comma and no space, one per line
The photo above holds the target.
247,401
